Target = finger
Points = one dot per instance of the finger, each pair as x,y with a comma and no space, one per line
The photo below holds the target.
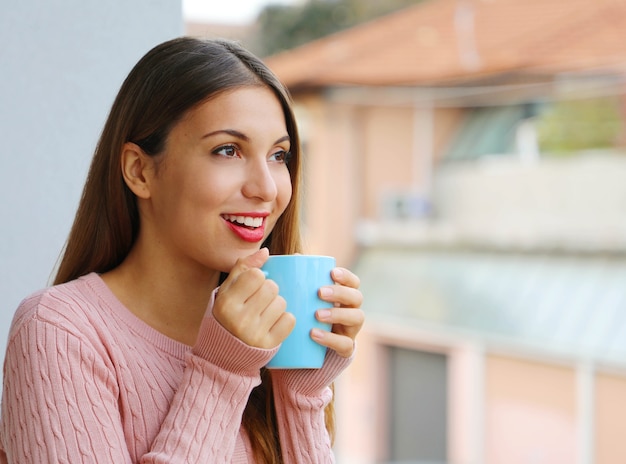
344,316
250,314
341,295
345,277
266,291
244,287
231,308
271,327
282,328
342,344
255,260
345,321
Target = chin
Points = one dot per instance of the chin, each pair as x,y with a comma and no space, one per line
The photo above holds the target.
229,262
227,267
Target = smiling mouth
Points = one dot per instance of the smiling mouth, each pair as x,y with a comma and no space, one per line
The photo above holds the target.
249,228
245,221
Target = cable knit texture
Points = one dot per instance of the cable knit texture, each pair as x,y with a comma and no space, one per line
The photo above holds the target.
86,381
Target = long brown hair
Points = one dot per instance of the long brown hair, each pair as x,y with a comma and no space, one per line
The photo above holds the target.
164,85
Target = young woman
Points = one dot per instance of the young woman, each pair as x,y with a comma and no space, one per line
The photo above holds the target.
151,345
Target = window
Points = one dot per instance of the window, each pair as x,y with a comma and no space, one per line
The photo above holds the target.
417,406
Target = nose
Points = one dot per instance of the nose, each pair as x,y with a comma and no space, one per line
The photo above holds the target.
260,182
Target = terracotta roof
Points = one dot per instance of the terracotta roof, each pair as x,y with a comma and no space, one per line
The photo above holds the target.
445,40
593,41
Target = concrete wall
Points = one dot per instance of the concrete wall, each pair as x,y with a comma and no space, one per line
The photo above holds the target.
575,202
61,64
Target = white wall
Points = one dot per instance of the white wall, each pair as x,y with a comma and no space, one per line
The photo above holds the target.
576,203
61,64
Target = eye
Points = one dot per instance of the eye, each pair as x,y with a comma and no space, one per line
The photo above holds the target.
227,151
281,156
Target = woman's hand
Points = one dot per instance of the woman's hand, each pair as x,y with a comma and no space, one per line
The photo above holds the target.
346,316
249,307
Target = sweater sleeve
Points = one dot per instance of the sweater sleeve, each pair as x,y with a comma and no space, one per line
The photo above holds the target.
60,399
221,373
300,398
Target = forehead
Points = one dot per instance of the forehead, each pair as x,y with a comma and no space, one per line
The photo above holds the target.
239,105
253,111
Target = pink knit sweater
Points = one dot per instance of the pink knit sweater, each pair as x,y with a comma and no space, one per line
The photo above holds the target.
86,381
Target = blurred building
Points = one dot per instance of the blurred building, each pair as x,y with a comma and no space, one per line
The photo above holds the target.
465,157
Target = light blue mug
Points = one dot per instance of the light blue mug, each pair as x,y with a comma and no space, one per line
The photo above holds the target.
299,278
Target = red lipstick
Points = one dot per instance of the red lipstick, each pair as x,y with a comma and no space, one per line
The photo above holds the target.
249,227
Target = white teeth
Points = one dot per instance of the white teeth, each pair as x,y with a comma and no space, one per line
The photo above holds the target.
245,220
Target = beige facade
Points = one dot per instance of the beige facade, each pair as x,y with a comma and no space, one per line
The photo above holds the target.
519,320
361,159
504,405
609,417
530,411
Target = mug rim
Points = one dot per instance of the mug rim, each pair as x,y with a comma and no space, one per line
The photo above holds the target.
297,255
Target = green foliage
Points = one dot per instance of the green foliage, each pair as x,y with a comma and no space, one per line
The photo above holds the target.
574,125
284,27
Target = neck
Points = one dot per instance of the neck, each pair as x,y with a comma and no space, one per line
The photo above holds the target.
169,298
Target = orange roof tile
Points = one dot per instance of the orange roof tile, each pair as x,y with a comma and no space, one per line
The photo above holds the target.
445,40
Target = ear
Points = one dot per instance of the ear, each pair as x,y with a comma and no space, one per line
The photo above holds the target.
137,169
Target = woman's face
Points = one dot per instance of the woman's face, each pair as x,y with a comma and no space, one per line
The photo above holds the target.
222,182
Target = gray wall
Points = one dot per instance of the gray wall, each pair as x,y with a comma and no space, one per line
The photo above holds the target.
61,64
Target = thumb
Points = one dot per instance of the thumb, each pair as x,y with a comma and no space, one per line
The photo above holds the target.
256,259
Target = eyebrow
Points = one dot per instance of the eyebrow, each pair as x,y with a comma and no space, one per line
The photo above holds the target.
241,136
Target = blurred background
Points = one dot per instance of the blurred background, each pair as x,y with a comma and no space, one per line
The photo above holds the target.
464,157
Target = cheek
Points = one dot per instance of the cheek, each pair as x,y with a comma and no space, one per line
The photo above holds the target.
185,199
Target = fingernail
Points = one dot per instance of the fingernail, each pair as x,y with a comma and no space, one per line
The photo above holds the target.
323,314
325,292
337,273
317,334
